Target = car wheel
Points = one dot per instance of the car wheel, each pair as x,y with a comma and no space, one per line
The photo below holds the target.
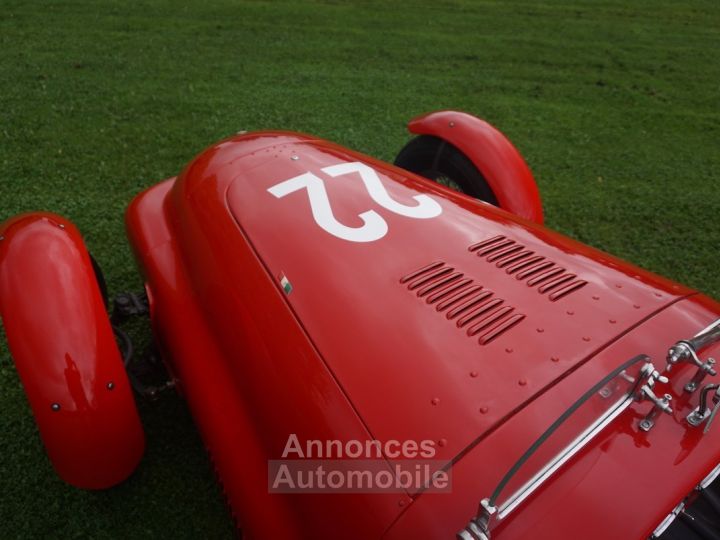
440,161
100,278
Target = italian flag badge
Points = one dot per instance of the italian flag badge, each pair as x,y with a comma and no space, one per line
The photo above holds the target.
285,284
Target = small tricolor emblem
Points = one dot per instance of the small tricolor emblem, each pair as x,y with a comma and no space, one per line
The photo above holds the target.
285,284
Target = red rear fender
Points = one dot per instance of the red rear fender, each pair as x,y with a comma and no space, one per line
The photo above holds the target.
492,153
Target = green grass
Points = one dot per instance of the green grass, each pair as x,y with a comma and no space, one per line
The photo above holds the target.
615,108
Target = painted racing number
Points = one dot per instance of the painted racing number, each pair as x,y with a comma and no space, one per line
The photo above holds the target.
374,226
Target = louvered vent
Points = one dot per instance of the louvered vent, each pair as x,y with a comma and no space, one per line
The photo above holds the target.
472,307
526,265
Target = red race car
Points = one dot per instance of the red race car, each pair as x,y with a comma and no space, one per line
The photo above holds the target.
379,351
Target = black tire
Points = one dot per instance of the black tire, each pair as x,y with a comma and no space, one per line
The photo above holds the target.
440,161
100,277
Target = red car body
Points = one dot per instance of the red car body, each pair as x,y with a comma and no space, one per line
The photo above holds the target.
351,310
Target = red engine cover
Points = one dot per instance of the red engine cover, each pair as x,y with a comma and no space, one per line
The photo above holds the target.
348,298
404,353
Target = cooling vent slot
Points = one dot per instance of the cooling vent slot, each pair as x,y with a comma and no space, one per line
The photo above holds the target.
470,306
525,265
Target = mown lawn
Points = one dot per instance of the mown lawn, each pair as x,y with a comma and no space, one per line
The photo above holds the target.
616,109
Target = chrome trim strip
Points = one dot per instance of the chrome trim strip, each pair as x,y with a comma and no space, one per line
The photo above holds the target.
665,523
569,451
710,478
668,520
708,327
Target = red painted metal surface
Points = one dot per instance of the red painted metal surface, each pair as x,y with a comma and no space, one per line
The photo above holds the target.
353,351
373,332
65,353
492,153
620,486
245,364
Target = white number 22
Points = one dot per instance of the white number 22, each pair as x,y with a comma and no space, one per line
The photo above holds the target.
374,226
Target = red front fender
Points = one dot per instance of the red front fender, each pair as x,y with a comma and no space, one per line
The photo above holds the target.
65,352
492,153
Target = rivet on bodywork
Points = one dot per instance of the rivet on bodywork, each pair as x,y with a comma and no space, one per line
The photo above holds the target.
586,338
508,350
636,306
2,238
452,124
596,297
473,374
55,407
294,158
522,382
435,401
442,442
110,385
483,410
61,225
540,330
555,358
612,321
570,312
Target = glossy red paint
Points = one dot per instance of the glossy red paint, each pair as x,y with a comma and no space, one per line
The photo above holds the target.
397,324
492,153
238,353
621,486
298,287
65,352
355,352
